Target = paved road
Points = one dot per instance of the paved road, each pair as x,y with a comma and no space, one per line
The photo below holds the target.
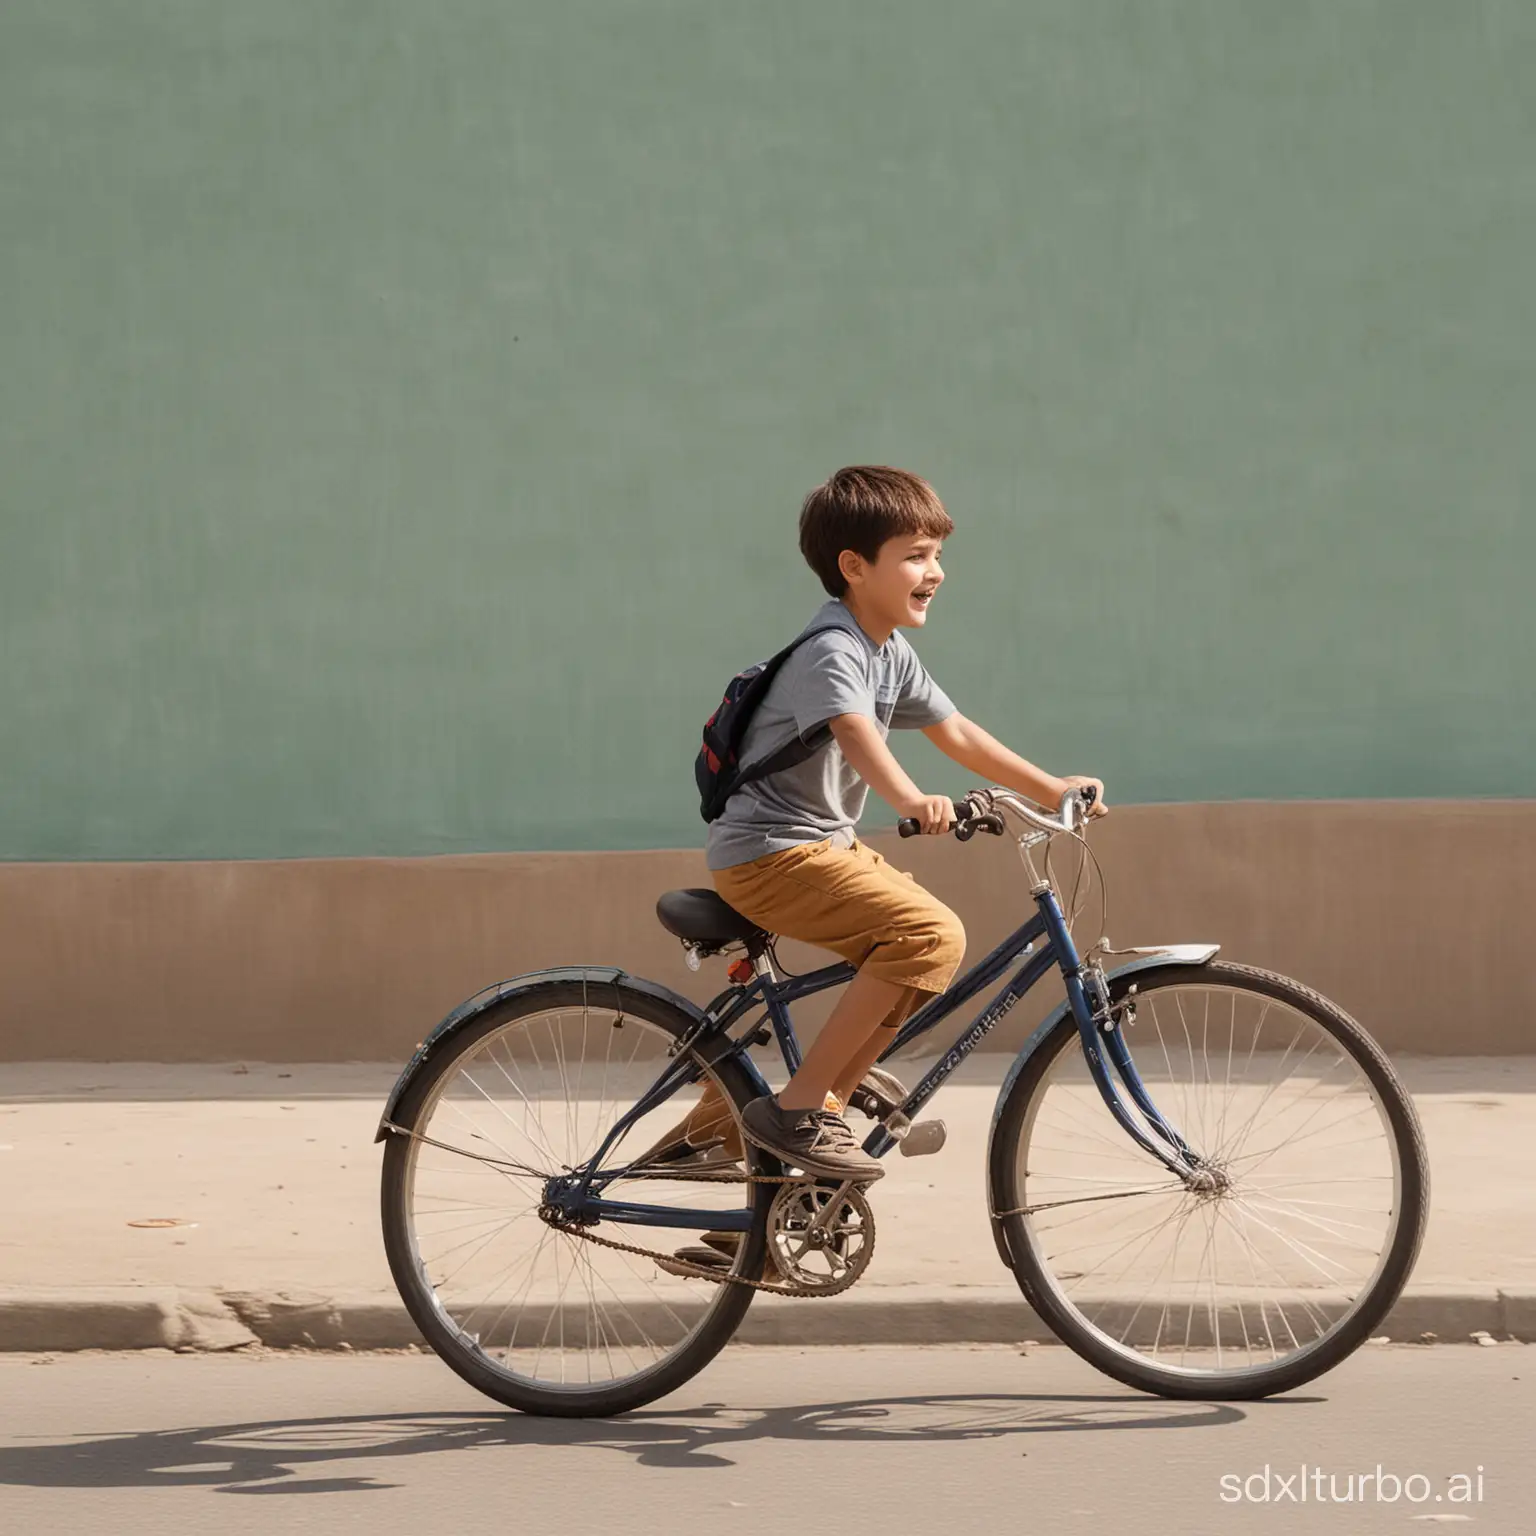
767,1440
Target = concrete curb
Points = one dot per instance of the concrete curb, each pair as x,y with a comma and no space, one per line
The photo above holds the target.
119,1317
149,1317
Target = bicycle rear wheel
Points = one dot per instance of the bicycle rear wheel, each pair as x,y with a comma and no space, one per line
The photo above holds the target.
1281,1257
539,1318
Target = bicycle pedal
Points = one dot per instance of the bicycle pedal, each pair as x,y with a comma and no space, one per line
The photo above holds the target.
923,1139
870,1104
878,1094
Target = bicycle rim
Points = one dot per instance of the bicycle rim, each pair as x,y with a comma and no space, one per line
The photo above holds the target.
538,1316
1260,1273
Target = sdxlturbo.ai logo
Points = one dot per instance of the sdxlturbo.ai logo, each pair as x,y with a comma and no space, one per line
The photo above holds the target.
1312,1485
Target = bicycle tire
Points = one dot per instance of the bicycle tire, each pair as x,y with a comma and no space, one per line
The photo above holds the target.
725,1309
1043,1290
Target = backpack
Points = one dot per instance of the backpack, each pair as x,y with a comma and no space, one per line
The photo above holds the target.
715,769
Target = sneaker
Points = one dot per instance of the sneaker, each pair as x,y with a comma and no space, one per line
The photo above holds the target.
816,1140
714,1143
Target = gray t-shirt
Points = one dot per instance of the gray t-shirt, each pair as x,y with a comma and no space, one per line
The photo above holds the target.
837,672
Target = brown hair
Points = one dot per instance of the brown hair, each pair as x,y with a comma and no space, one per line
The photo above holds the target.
859,508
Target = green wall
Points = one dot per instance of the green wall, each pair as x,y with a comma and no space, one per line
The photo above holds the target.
405,409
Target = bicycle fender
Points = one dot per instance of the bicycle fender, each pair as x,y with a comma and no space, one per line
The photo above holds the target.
488,997
1160,960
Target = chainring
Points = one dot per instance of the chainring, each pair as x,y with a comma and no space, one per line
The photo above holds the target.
821,1237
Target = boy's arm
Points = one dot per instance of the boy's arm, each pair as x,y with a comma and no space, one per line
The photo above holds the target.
989,759
871,759
967,744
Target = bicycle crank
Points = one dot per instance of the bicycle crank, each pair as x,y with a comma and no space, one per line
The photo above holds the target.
821,1237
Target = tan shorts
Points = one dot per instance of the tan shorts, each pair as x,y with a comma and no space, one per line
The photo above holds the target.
851,901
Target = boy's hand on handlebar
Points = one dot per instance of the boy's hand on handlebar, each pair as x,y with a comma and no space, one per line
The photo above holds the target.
1079,781
932,813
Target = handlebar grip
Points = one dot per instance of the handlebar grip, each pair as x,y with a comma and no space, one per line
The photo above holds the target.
910,826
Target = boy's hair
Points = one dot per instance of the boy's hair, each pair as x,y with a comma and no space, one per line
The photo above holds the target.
859,508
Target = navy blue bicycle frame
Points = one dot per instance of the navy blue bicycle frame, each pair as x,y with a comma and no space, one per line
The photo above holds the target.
1098,1033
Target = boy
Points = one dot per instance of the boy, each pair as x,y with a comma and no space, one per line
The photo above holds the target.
784,852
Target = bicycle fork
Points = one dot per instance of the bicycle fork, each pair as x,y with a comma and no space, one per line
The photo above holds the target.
1099,1028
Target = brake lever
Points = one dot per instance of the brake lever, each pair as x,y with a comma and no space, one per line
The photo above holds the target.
989,821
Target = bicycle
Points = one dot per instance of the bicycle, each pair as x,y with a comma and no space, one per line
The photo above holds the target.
1232,1231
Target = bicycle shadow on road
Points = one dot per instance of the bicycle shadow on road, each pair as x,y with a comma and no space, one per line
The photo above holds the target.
272,1456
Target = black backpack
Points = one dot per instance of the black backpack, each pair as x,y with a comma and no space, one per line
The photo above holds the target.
715,769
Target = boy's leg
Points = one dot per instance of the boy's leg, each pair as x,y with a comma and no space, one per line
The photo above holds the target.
720,1247
853,1074
912,997
901,938
709,1120
852,1036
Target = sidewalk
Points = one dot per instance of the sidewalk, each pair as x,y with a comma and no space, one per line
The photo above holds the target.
275,1173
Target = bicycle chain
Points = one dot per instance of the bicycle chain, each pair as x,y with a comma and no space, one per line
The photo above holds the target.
698,1271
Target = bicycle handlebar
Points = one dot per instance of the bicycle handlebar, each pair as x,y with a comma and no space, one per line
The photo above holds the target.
974,814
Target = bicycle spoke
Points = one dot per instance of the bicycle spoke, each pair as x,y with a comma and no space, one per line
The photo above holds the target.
544,1306
1210,1274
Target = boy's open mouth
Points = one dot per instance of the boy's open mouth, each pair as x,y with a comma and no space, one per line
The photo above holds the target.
923,595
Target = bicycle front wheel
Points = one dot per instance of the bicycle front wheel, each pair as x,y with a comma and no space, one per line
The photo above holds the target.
1281,1254
535,1316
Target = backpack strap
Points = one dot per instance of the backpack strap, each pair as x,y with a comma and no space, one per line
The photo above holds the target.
796,749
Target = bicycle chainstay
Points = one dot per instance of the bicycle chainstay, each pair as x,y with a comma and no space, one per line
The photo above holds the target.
699,1271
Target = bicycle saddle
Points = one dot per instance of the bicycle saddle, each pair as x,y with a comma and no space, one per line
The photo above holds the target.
706,918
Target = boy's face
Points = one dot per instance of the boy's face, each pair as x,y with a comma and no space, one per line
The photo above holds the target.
898,584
